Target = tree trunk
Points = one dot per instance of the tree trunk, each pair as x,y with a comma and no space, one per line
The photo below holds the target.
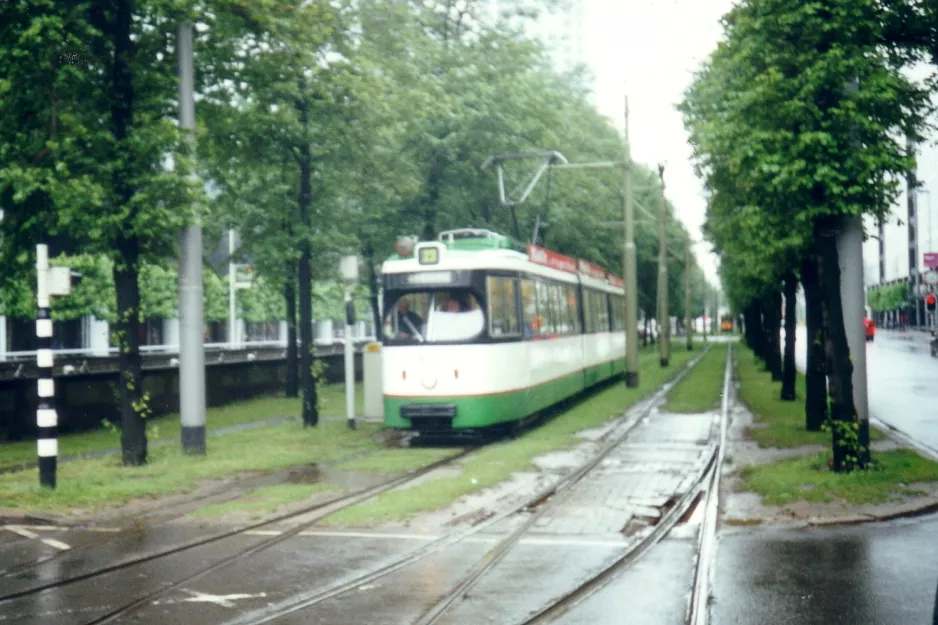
307,381
759,342
844,438
772,320
645,334
289,295
815,397
789,373
751,327
133,410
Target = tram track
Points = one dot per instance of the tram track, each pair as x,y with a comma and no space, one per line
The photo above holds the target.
704,491
611,439
141,522
318,510
537,505
704,485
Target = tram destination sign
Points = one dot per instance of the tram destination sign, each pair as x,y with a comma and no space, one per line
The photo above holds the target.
417,280
543,256
593,271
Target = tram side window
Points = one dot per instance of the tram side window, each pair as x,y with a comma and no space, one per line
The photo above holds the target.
618,313
503,307
603,310
559,309
572,309
589,324
529,308
545,315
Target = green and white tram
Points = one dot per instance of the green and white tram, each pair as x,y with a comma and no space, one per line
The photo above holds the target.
479,334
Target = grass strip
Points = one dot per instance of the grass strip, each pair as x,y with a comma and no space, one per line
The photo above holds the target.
810,479
782,421
166,427
263,501
702,388
496,463
85,486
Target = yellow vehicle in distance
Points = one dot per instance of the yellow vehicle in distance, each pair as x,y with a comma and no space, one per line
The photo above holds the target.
726,322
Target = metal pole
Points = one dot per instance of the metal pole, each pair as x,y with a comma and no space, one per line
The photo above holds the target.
930,249
46,418
664,321
191,348
232,298
688,321
349,361
912,205
629,267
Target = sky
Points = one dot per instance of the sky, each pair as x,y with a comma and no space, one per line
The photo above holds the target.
648,50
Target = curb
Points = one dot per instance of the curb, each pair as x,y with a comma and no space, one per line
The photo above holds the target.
904,512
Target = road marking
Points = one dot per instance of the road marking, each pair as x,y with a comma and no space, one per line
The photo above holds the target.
55,543
25,533
225,601
51,528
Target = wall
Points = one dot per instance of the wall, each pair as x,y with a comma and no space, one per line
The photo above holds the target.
83,400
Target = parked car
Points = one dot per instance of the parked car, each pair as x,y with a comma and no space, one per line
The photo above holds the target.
870,328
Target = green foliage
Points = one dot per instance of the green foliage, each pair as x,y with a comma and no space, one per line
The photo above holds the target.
159,296
261,302
779,140
214,296
887,298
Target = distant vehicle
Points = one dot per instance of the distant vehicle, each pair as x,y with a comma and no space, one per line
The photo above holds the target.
870,328
726,323
481,332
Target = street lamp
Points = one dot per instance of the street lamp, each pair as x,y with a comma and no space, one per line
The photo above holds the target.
349,268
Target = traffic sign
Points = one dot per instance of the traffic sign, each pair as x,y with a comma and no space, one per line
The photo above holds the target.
930,278
931,259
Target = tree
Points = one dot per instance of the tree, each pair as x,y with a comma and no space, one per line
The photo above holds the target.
775,130
92,80
285,93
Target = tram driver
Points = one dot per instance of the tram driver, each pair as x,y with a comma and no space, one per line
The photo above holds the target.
408,322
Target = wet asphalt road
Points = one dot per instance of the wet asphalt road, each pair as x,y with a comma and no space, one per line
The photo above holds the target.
882,574
902,381
577,539
875,574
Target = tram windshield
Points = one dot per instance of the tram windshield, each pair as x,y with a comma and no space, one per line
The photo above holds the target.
434,317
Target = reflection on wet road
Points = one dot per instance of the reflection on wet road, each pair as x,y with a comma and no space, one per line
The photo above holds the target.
882,574
902,379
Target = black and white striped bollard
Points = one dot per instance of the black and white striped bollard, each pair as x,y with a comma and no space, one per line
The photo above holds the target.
46,417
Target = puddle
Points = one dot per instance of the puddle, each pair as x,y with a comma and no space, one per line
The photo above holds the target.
349,480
